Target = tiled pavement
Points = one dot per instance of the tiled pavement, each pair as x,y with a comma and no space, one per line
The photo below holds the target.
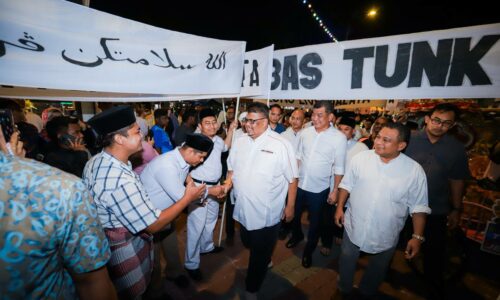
224,276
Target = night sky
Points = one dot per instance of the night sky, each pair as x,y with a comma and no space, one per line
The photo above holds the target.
288,23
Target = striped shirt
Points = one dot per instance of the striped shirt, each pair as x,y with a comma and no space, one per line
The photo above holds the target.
118,193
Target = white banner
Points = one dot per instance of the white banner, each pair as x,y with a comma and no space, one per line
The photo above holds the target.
256,82
455,63
59,45
257,73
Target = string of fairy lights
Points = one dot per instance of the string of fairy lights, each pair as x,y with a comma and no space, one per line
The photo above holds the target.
318,19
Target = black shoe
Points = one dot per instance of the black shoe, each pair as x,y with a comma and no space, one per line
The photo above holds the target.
306,260
292,242
195,274
180,281
216,249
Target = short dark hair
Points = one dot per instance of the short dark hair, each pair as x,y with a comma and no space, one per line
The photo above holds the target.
10,104
403,131
109,138
277,106
189,113
160,112
56,126
326,104
446,107
258,108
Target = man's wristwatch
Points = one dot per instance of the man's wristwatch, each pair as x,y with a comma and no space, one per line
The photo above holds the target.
418,237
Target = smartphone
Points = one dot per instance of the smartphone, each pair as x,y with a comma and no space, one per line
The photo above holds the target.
67,139
7,122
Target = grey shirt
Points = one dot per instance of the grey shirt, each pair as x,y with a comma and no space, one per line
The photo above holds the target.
444,160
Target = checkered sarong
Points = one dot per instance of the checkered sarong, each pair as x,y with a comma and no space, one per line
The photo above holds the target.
131,260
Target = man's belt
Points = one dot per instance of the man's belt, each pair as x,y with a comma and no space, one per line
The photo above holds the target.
205,182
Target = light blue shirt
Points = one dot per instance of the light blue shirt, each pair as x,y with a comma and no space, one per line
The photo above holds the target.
164,177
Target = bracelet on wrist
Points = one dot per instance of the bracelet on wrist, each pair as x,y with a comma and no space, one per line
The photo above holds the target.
418,237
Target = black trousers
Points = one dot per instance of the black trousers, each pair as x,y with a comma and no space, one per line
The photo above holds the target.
229,222
314,203
261,243
434,250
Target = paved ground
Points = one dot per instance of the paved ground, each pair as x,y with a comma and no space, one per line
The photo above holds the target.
225,274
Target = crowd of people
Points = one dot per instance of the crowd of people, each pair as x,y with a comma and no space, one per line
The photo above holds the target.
88,208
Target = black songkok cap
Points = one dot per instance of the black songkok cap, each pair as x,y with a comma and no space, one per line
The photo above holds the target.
112,119
207,112
348,121
199,142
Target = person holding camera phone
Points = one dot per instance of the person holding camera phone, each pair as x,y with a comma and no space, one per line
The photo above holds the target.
66,151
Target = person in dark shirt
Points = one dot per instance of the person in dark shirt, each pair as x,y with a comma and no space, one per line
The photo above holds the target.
67,151
445,163
275,113
188,126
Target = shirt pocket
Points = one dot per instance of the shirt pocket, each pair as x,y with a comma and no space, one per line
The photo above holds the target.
398,198
266,163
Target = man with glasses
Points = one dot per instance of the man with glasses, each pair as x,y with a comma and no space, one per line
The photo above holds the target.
445,164
263,169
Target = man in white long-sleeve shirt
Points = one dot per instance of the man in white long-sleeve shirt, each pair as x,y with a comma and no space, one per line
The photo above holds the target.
384,186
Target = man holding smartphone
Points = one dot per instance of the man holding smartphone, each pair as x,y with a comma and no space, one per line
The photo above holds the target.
66,150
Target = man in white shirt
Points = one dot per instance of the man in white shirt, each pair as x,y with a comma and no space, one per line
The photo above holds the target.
292,134
321,150
163,179
203,216
383,186
347,126
263,169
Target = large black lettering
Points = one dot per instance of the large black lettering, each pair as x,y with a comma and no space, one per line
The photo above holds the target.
465,62
290,73
434,66
243,79
314,74
400,69
276,74
358,56
254,76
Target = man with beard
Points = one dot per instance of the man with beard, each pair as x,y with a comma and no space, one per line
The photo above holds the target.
262,168
383,186
445,164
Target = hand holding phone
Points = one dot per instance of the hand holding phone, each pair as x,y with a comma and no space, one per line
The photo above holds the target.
7,123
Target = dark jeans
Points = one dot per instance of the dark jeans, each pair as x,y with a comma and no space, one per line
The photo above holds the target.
434,250
261,244
314,203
